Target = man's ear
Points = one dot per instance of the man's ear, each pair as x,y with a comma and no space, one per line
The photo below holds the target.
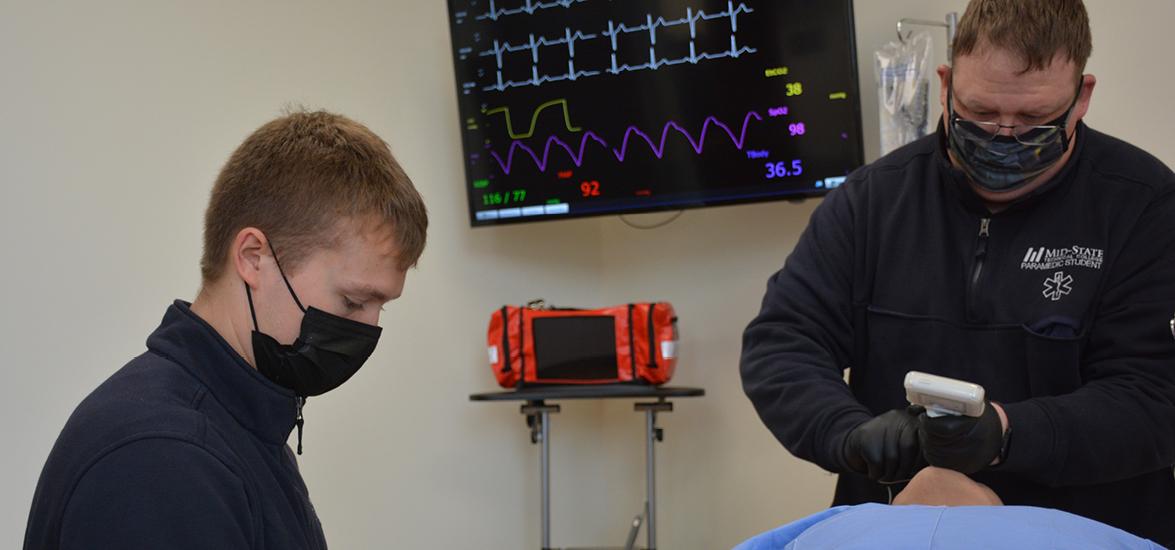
944,79
249,247
1088,82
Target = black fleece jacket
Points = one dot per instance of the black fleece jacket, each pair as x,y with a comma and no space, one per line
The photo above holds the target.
1060,306
183,448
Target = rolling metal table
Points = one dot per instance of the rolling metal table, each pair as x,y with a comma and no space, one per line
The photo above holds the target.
538,411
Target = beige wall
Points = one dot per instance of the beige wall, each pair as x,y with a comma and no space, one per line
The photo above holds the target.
114,119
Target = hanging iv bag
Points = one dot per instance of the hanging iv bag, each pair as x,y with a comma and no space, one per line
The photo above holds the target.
903,90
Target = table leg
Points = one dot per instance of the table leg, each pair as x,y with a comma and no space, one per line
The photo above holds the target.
653,434
546,481
539,419
651,477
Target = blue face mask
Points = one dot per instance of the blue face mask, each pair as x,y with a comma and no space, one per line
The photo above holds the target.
1000,163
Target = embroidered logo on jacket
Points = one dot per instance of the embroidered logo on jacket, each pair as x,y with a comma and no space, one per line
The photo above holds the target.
1057,286
1043,258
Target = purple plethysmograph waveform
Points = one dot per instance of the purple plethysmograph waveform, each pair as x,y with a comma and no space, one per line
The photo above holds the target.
621,152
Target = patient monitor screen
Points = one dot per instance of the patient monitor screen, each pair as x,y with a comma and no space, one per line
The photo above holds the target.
588,107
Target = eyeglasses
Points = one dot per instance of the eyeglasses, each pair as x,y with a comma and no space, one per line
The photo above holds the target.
1032,135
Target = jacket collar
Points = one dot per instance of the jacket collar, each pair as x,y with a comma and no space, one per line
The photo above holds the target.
262,407
959,186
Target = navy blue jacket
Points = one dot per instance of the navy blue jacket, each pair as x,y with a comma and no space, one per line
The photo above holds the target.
1060,306
184,447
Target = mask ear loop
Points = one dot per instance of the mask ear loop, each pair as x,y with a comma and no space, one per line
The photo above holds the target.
300,401
284,279
252,312
950,101
1065,141
952,116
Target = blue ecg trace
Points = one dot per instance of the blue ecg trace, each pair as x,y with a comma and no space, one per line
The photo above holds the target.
570,38
528,8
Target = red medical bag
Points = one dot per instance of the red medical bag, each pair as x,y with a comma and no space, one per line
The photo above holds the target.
627,343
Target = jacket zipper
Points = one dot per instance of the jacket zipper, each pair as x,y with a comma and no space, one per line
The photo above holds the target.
977,264
299,421
313,527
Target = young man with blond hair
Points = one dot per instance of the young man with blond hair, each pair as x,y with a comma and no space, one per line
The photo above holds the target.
1016,248
310,230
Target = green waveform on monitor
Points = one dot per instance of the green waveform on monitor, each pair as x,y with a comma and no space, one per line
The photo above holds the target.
534,118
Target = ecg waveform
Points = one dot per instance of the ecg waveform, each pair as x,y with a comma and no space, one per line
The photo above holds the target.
534,45
622,152
527,7
650,25
534,118
691,18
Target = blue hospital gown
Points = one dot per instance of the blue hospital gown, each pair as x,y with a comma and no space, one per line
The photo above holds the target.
877,526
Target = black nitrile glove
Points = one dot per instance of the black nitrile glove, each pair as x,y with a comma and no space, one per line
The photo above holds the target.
962,443
887,447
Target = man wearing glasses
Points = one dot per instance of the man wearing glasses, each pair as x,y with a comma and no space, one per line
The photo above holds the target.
1017,249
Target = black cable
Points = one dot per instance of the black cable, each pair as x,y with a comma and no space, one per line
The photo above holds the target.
668,221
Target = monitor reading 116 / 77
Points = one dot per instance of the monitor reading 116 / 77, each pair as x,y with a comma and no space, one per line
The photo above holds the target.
588,107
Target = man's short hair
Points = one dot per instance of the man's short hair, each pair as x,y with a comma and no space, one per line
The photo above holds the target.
297,177
1036,30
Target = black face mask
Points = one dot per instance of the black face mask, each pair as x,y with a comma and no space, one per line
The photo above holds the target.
328,351
1003,163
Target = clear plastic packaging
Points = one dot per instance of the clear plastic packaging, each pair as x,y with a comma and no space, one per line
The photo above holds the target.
903,81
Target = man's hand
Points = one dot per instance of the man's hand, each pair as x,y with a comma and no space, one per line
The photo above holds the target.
887,447
962,443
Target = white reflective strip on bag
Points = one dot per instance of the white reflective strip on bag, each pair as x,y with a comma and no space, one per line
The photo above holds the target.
493,350
669,349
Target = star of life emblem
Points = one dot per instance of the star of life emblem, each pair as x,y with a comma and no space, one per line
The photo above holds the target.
1057,286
